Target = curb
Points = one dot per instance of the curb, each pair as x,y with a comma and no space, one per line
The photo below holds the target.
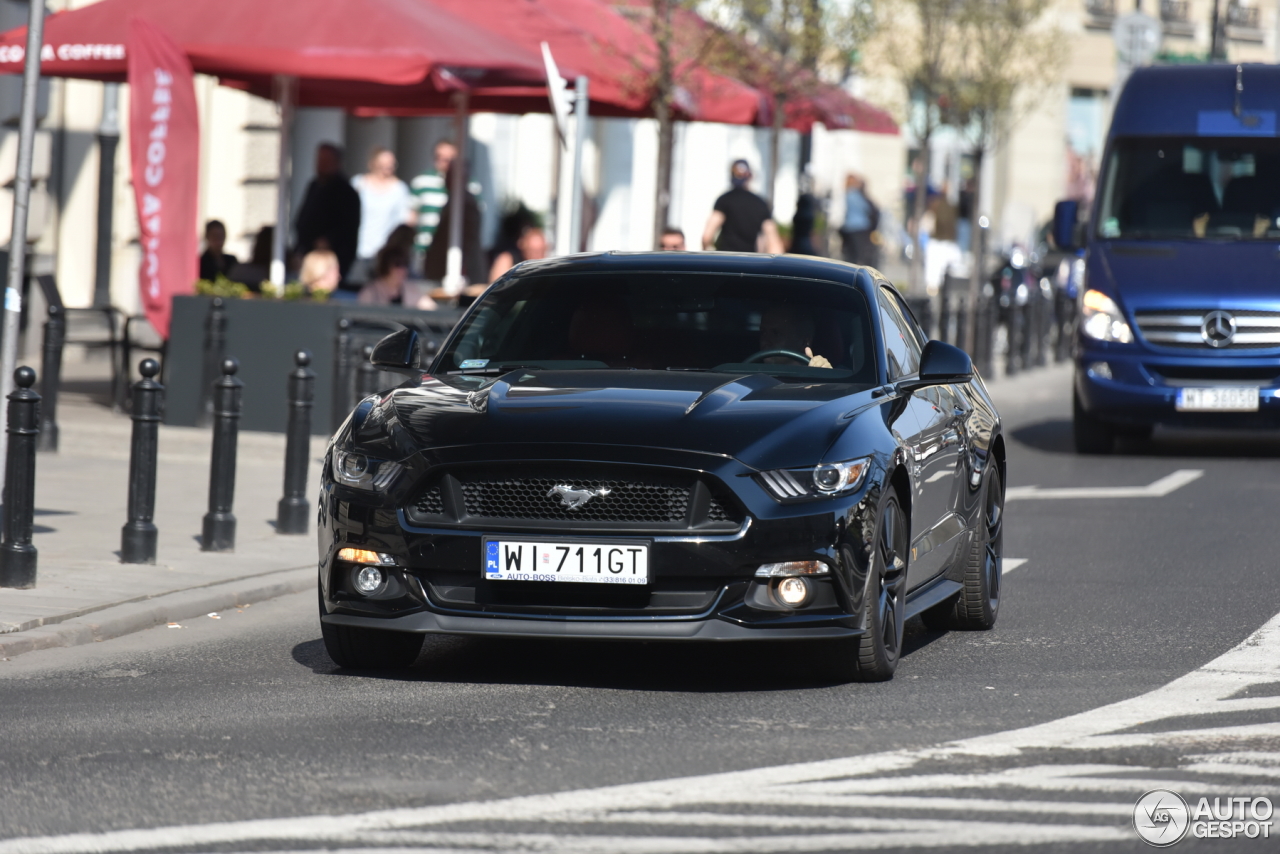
132,617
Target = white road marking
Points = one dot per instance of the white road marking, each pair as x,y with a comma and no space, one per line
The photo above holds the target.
1009,564
849,804
1158,489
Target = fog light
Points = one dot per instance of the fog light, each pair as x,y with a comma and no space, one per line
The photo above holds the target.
1101,370
792,567
365,556
369,580
793,592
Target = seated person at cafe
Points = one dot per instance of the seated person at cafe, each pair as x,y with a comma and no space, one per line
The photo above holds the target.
213,261
391,285
320,271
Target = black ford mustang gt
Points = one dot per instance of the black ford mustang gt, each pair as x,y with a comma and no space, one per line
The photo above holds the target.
667,446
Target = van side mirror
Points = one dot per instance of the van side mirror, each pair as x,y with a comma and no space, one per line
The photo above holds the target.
1065,215
941,364
398,352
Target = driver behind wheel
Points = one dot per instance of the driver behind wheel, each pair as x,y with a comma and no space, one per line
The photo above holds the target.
785,327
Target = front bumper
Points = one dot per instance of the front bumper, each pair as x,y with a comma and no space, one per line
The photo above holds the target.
702,586
1143,386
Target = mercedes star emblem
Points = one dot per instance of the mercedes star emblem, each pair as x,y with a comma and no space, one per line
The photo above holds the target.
572,498
1218,328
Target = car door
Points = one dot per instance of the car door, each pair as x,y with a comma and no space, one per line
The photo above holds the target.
933,449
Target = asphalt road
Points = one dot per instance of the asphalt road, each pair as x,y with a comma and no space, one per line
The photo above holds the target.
244,717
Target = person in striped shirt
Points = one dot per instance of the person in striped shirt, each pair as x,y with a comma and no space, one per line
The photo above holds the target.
430,193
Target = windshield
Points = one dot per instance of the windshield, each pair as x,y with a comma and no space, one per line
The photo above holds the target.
1178,188
791,328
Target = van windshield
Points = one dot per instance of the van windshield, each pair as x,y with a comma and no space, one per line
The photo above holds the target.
1179,188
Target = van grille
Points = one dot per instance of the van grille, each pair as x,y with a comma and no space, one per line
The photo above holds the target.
1184,329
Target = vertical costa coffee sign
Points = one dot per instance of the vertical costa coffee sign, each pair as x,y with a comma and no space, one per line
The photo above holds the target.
164,146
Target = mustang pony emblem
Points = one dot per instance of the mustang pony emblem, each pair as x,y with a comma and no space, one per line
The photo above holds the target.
573,498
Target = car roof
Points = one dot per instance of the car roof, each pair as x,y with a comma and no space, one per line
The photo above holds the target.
740,263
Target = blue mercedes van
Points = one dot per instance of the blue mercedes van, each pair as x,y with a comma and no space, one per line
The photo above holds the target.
1179,319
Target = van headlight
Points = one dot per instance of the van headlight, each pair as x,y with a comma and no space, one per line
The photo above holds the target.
1101,320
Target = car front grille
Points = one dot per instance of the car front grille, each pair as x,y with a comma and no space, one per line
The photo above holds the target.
1182,329
626,500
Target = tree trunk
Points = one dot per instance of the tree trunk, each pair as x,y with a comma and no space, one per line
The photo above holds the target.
775,149
918,204
975,252
664,97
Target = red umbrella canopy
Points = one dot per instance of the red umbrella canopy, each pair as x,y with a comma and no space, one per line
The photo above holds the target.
617,56
343,52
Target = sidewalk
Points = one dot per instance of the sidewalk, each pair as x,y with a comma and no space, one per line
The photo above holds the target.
83,593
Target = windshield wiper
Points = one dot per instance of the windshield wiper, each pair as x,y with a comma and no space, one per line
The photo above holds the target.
498,370
691,370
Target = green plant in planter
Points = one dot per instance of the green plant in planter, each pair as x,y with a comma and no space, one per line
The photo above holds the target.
221,287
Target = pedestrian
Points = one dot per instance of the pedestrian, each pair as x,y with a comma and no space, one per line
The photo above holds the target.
213,261
385,202
741,221
861,219
672,240
430,194
329,217
530,246
803,222
257,269
390,284
473,267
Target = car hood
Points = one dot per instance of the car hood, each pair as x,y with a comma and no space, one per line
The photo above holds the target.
757,419
1191,274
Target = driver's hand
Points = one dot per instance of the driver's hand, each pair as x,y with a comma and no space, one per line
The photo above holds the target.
816,361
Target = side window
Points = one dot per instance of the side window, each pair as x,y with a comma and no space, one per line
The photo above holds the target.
911,324
901,347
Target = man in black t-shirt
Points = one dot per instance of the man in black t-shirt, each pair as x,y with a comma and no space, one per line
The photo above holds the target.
741,221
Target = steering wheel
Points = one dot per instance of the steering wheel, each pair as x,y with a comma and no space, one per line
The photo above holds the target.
765,354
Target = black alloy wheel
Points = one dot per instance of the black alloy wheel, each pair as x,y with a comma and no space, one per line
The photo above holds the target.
358,648
978,604
874,656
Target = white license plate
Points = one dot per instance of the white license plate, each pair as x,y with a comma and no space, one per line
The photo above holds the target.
580,561
1225,399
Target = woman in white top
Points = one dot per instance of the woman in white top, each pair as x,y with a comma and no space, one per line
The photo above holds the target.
385,202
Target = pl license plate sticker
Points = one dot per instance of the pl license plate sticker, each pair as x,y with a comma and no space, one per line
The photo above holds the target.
581,562
1221,399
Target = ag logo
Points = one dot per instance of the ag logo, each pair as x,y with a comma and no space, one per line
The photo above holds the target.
1161,817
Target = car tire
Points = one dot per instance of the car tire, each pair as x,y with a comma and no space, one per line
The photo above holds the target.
978,604
1091,435
873,657
358,648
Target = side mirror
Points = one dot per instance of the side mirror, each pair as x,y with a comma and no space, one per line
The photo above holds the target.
1065,215
397,352
940,364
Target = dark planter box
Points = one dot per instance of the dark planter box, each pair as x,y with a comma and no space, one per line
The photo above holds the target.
263,335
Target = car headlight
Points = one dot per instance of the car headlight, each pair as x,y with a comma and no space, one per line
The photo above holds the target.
1101,319
815,482
364,472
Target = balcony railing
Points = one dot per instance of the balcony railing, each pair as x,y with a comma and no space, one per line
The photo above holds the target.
1240,15
1174,11
1100,9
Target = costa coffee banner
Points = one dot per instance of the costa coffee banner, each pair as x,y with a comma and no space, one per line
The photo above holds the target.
164,148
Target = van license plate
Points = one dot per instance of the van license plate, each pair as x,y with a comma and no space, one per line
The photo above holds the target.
1217,400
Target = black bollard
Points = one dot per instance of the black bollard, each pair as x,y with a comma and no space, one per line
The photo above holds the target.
215,340
55,334
17,554
367,380
219,533
291,515
342,403
138,537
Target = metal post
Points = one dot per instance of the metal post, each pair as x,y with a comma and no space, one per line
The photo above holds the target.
219,533
581,107
366,375
21,206
17,554
108,139
55,333
138,536
341,373
291,514
453,280
286,89
215,338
